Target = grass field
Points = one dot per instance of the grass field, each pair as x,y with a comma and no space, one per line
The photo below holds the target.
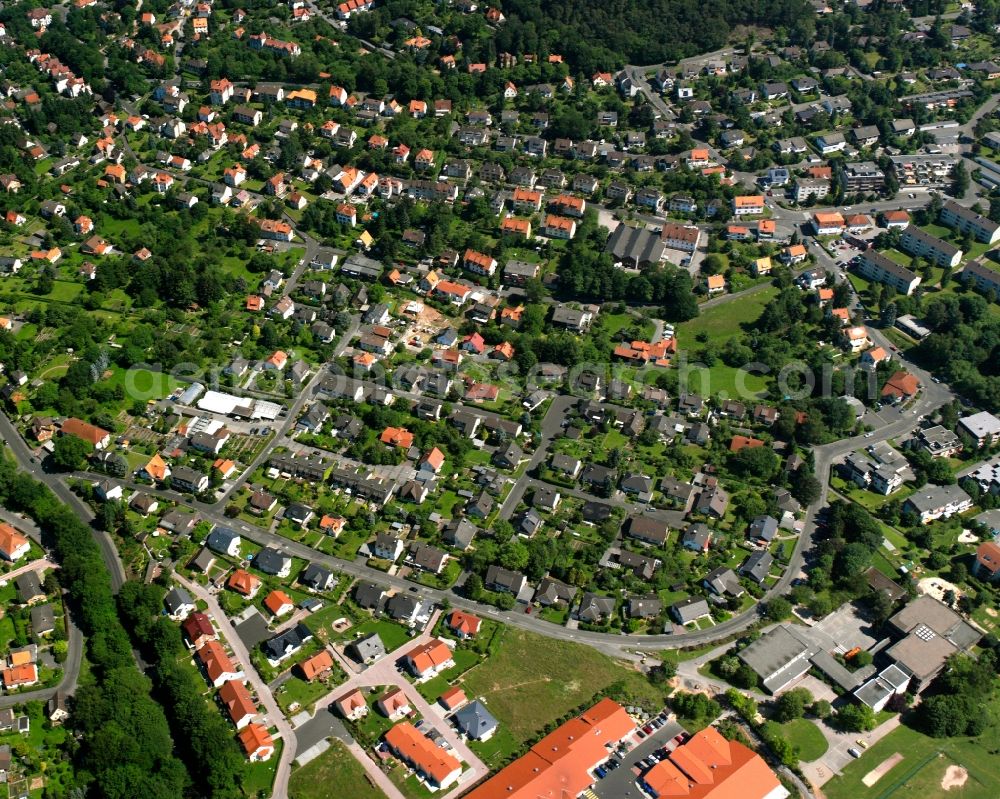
717,325
806,736
143,384
531,680
335,767
721,322
920,771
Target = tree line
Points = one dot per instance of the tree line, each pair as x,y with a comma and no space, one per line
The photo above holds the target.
125,747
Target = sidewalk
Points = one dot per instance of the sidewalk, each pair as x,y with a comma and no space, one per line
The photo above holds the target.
35,565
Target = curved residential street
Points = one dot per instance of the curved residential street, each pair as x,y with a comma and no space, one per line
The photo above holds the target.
274,716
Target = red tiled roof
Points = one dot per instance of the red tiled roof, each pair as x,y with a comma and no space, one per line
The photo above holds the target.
429,656
710,767
421,752
80,429
464,623
316,665
739,442
236,698
452,698
255,737
197,626
901,384
988,557
276,600
557,765
242,582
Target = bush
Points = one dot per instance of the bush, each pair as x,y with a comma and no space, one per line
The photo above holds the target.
855,718
792,705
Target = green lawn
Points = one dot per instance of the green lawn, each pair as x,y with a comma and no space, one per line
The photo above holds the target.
259,777
143,383
530,680
335,767
919,773
717,325
724,321
498,750
393,635
296,690
806,736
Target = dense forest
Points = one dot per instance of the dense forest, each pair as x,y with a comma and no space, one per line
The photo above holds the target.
596,35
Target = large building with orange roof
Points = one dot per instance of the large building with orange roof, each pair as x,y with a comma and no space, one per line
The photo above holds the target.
242,582
560,764
436,766
19,676
710,767
156,469
318,665
397,437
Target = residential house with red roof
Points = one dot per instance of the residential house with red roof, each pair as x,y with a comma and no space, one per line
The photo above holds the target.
256,742
217,664
429,659
561,764
463,625
236,699
198,630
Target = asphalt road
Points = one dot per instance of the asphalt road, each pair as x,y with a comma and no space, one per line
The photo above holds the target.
28,463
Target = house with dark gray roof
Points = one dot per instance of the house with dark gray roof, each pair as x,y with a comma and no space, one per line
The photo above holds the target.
644,607
459,533
635,247
426,557
553,592
317,577
405,608
273,561
697,537
763,528
647,529
178,603
723,581
504,580
757,566
545,498
595,609
287,643
368,595
43,620
224,541
638,485
641,566
475,722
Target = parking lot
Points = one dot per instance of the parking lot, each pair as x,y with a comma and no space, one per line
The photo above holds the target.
620,782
